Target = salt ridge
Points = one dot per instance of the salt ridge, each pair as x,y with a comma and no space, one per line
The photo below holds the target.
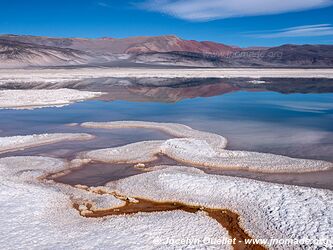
267,210
15,143
197,148
39,214
39,98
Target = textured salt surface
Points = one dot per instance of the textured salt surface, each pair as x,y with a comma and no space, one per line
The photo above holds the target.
39,215
30,169
38,98
197,148
39,212
70,75
14,143
266,210
177,130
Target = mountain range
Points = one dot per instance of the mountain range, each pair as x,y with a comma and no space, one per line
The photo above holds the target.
18,51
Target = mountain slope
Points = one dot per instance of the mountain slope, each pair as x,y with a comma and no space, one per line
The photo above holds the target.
16,54
282,56
179,58
22,51
301,55
173,43
126,45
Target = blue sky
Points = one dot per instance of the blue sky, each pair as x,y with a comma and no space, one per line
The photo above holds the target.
237,22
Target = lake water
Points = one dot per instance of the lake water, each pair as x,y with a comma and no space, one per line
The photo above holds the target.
254,119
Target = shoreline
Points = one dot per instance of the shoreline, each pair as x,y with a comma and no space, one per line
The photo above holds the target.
315,178
42,98
117,171
76,74
198,148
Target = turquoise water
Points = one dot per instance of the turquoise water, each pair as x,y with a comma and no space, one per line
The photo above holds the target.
299,125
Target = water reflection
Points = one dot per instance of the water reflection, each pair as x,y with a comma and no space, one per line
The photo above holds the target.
253,116
177,89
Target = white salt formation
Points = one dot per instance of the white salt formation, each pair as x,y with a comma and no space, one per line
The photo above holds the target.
132,153
267,211
174,129
39,214
38,98
14,143
72,74
34,169
197,148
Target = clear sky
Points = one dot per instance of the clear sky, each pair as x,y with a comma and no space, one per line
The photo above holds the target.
237,22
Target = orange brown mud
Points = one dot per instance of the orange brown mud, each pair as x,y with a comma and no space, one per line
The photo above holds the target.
226,218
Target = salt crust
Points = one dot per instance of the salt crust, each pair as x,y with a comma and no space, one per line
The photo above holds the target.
174,129
14,143
267,210
197,148
38,214
38,98
71,75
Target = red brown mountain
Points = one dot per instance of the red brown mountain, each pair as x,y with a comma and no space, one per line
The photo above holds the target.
23,51
173,43
131,45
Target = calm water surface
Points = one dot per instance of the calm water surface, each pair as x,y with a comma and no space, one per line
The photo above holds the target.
294,124
299,125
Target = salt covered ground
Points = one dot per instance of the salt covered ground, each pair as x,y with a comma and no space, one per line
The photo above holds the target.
14,143
37,98
38,214
197,148
267,211
68,75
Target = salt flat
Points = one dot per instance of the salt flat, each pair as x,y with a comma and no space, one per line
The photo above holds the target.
39,215
197,148
75,74
267,211
15,143
38,98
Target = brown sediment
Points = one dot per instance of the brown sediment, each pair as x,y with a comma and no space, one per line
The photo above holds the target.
228,219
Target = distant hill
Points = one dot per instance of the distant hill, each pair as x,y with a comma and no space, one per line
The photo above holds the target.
24,51
126,45
17,54
302,55
282,56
